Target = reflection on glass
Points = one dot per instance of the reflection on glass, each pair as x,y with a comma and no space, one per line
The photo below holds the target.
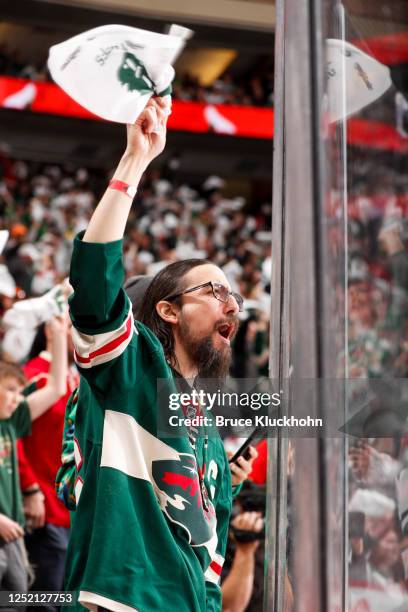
371,109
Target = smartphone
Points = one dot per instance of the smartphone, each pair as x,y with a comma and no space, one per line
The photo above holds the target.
243,450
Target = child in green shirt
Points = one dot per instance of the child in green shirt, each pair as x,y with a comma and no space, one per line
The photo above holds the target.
16,414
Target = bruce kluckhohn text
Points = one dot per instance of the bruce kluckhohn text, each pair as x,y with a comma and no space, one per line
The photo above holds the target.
256,421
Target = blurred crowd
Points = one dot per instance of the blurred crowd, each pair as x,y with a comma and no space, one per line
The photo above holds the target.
43,207
254,88
377,361
12,64
378,271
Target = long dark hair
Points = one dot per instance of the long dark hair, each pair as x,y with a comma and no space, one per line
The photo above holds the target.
166,282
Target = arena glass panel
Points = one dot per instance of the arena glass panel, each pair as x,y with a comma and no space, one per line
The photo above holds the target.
344,244
373,192
279,363
296,576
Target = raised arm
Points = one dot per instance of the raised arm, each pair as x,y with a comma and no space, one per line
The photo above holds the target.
41,400
100,310
145,141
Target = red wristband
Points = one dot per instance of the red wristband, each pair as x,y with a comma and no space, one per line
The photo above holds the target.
129,190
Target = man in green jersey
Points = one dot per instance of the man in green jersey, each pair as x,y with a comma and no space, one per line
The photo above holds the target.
151,521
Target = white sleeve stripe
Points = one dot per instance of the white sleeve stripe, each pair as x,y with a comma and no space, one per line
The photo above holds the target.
78,484
218,559
213,572
212,576
77,455
92,601
93,350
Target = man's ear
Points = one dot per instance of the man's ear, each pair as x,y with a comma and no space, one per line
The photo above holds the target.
168,311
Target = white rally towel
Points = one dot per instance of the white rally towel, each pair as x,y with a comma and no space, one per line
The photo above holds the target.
355,79
113,70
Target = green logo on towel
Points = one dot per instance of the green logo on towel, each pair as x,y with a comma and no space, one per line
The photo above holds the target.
133,75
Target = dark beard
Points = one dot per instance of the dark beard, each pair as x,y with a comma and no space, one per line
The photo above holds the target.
211,362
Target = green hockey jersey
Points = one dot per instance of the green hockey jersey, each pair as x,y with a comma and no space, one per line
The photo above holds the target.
142,538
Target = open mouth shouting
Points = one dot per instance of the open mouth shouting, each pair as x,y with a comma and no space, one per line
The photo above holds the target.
227,330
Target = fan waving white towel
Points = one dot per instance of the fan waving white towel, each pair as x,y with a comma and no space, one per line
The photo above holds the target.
113,70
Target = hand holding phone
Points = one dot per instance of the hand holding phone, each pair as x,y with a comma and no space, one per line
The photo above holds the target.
244,449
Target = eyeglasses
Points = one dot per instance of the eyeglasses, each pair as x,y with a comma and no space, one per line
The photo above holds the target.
220,292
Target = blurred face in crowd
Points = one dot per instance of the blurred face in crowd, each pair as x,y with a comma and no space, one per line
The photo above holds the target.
360,304
205,326
10,396
387,551
376,526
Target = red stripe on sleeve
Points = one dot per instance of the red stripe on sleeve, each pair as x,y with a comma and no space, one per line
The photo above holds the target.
216,567
107,348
